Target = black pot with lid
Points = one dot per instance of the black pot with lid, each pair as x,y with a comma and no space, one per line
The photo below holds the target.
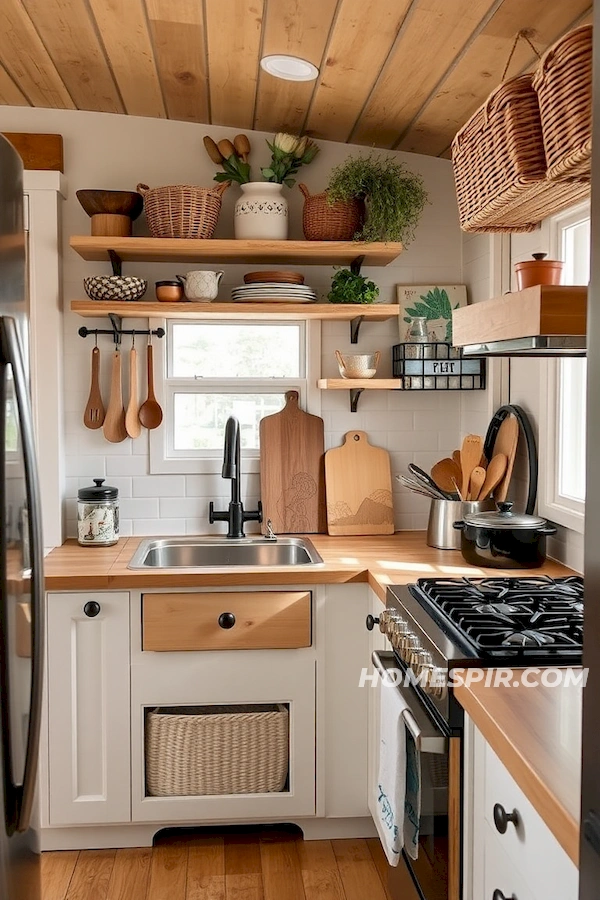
504,539
98,514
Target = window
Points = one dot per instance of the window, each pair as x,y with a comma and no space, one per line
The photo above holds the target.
562,489
212,370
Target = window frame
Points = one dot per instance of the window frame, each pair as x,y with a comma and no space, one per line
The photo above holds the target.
163,460
551,503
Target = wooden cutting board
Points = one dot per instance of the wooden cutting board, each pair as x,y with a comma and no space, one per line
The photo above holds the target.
292,473
358,477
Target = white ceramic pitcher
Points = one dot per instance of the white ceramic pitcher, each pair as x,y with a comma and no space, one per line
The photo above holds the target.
201,286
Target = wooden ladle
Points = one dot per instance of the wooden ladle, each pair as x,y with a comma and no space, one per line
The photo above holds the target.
114,421
94,412
494,475
151,414
476,483
444,472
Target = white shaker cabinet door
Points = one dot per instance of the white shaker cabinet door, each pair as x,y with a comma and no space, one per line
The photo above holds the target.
88,708
378,641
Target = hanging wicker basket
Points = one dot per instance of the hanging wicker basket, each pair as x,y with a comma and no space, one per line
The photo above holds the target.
500,165
182,210
322,221
563,82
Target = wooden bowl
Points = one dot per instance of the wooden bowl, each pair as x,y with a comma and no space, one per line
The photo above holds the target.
115,203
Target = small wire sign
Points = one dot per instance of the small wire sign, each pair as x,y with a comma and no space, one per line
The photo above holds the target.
436,366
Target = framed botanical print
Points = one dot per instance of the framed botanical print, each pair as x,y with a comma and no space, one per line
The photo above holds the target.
432,302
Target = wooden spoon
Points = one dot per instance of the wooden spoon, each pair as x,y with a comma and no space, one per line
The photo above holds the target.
476,483
493,476
443,472
114,422
94,412
506,443
150,413
470,456
132,421
456,458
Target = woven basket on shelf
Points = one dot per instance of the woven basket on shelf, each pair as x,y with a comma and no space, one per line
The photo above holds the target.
322,221
182,210
204,750
563,82
500,165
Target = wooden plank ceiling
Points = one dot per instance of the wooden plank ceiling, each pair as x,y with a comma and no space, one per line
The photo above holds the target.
402,74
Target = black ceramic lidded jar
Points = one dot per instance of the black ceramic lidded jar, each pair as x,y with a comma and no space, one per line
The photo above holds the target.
98,515
502,539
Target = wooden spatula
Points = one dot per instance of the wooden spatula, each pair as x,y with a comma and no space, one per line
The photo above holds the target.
444,471
93,415
506,443
476,483
470,456
114,422
132,422
456,458
493,476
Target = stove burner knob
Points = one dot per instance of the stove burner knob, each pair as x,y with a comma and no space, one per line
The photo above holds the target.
437,683
396,625
399,635
423,663
411,646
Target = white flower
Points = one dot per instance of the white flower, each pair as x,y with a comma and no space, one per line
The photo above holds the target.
287,143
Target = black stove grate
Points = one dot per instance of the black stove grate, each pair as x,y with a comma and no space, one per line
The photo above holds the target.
524,618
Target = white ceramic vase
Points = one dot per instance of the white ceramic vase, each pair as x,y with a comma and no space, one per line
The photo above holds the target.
261,213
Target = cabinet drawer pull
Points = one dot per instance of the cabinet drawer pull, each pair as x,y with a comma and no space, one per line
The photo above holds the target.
498,895
502,818
226,620
92,608
371,622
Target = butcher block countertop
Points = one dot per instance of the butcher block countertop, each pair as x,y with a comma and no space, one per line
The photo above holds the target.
400,558
536,732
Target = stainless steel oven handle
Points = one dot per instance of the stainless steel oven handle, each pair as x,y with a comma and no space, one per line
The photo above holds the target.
431,742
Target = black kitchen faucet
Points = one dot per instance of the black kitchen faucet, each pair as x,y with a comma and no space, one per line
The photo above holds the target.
236,516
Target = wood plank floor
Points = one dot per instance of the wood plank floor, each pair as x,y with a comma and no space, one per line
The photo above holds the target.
249,864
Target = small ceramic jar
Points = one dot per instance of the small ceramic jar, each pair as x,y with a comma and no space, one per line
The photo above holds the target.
169,291
98,515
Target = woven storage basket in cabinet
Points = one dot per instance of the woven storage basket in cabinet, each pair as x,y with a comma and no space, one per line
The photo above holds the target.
563,82
201,750
322,221
182,210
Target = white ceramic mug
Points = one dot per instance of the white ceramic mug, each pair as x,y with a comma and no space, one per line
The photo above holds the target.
201,285
358,365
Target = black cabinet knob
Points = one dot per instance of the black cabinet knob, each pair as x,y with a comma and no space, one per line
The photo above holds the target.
371,622
91,608
502,818
498,895
227,620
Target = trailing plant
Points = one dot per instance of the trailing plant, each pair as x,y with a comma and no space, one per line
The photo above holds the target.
288,154
394,196
348,287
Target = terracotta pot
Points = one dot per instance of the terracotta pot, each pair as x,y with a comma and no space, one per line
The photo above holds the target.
538,270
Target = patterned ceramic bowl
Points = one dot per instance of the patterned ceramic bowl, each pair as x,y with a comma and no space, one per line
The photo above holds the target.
358,365
114,287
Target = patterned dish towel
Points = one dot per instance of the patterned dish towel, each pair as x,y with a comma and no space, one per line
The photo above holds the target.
389,814
412,797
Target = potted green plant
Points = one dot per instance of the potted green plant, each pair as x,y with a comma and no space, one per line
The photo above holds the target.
350,287
262,210
394,196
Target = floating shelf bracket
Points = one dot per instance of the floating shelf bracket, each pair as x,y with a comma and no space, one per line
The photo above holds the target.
116,262
355,328
354,396
356,264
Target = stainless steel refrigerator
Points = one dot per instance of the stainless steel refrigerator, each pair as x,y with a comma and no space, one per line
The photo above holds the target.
21,557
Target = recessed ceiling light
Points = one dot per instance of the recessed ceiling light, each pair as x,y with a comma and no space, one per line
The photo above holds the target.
291,68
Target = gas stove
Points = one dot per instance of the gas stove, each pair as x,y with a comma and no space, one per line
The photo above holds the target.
441,624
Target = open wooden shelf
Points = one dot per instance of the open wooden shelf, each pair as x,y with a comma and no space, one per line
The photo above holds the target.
298,253
343,312
362,384
357,385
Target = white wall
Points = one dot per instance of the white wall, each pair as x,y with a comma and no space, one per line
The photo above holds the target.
117,152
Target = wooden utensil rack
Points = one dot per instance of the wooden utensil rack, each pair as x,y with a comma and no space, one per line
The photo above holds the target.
117,331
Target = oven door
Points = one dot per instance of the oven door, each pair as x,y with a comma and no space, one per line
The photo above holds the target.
436,871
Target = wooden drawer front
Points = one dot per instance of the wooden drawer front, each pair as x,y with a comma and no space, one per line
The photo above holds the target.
265,620
531,846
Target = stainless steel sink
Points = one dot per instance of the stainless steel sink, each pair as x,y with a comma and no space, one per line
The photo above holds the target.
220,553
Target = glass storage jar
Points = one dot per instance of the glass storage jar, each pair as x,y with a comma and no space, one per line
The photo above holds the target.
98,515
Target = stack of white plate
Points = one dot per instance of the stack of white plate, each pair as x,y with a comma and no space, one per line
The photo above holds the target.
272,292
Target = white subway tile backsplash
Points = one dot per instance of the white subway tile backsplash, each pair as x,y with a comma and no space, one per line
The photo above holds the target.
92,466
159,486
158,526
139,508
126,466
188,507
